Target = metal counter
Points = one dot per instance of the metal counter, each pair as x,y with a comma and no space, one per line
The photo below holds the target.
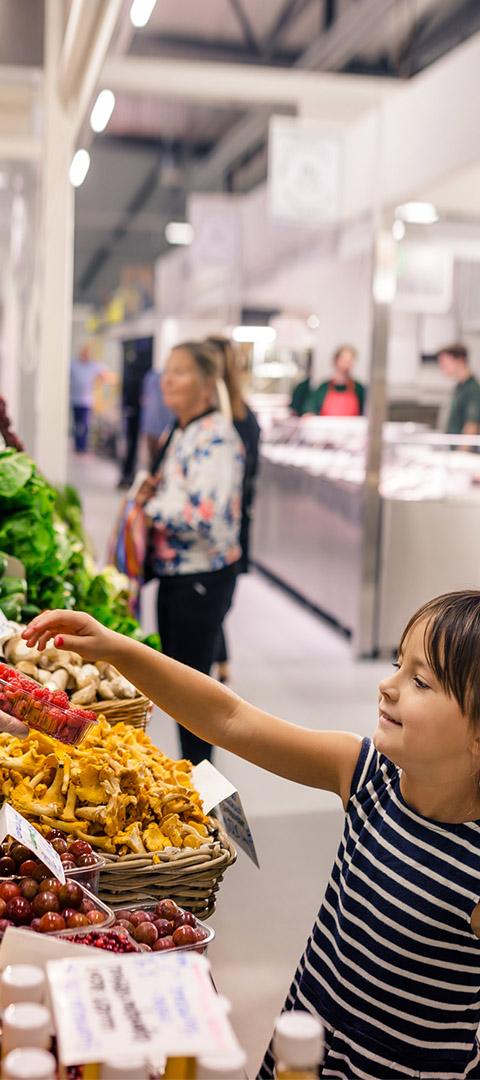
307,531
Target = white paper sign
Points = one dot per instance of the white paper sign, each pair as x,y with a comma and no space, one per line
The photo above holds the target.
13,824
164,1005
216,790
304,171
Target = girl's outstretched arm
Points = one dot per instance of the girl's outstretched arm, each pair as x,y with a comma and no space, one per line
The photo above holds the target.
323,759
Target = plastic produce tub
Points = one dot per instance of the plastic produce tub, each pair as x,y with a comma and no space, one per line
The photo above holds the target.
44,710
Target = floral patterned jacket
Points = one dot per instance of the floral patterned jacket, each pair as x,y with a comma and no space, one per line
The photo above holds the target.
196,510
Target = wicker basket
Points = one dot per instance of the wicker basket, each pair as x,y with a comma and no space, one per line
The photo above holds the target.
135,711
191,877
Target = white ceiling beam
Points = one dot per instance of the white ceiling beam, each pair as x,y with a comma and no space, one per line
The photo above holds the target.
88,34
243,84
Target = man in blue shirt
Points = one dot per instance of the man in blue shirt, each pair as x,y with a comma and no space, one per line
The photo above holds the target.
84,372
155,415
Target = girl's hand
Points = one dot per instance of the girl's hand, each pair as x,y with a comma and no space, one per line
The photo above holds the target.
72,630
10,726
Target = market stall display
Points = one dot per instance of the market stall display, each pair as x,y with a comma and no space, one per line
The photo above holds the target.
50,907
42,527
78,858
123,796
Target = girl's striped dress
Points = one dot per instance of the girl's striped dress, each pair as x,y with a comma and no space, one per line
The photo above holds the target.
392,966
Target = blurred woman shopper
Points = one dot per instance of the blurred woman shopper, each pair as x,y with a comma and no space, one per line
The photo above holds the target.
246,424
392,966
194,503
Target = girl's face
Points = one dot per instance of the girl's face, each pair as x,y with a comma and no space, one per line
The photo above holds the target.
185,390
420,728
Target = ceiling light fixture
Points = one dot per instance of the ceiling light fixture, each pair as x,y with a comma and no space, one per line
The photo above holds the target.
313,322
179,232
264,335
417,213
398,229
140,12
102,111
79,167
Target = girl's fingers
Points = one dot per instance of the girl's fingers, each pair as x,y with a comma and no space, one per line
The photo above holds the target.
11,726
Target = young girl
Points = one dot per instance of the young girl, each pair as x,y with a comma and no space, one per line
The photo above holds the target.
392,966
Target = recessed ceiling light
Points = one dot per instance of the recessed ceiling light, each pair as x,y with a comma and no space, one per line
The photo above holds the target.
141,11
417,213
79,167
102,110
179,232
313,322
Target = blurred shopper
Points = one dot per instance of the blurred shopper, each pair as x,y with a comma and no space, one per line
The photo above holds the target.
464,414
340,395
84,372
246,424
155,417
194,501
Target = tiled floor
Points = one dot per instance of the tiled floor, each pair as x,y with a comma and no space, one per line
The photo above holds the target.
287,661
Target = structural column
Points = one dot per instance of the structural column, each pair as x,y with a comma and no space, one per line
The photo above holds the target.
56,263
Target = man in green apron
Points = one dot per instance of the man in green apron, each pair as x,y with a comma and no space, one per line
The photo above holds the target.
464,414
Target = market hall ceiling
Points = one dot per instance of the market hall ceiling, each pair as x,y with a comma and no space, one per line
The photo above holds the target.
155,151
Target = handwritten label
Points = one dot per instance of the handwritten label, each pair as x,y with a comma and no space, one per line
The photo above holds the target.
165,1006
13,824
216,790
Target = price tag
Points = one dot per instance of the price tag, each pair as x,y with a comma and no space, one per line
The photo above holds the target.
13,824
216,790
166,1006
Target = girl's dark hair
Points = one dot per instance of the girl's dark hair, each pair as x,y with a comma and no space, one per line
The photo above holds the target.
452,646
229,372
204,357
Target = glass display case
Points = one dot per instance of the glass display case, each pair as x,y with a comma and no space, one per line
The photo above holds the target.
308,525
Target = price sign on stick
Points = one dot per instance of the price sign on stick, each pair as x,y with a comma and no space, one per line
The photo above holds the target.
166,1006
13,824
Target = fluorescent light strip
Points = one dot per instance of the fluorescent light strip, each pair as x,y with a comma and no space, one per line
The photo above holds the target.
102,111
417,213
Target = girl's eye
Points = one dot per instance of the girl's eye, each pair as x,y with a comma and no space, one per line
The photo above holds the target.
396,664
420,683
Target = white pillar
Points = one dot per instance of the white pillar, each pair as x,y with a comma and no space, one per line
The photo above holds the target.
57,247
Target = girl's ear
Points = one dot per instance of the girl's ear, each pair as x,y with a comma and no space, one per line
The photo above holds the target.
475,751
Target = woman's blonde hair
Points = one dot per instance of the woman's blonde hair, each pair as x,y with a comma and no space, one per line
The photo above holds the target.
206,359
230,372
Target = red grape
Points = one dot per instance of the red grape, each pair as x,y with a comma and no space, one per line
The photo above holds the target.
80,847
70,894
185,919
19,910
19,852
60,845
138,917
164,927
51,922
163,943
45,902
28,867
146,933
184,935
168,909
9,889
87,860
29,888
7,866
50,884
76,919
96,917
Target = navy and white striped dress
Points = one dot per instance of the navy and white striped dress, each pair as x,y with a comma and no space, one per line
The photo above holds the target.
392,966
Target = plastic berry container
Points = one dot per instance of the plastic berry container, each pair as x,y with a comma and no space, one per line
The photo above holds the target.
88,876
149,906
44,710
95,904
